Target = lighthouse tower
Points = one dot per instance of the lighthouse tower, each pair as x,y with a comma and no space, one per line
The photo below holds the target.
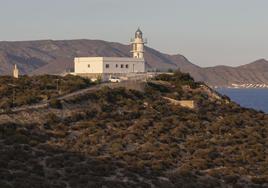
138,45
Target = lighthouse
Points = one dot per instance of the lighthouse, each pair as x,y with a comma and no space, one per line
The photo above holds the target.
138,45
105,67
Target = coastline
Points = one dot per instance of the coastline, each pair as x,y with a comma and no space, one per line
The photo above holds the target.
243,86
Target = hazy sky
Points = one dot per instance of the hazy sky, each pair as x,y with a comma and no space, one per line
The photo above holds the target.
207,32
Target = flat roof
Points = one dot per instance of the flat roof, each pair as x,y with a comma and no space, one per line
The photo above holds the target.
112,59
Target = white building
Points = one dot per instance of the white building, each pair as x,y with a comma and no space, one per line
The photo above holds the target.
16,72
92,66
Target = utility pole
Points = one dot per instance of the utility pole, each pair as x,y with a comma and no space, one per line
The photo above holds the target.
13,93
13,97
58,86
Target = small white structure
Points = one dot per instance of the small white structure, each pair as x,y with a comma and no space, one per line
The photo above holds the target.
16,72
93,66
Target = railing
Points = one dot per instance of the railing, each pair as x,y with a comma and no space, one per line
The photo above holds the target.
145,41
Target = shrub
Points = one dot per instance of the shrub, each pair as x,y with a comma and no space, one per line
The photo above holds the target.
55,103
178,78
29,90
52,119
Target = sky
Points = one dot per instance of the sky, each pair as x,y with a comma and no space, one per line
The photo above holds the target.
207,32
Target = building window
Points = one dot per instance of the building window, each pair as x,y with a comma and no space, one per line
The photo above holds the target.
88,65
122,66
127,66
107,66
116,65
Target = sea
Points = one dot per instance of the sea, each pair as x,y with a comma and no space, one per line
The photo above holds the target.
250,98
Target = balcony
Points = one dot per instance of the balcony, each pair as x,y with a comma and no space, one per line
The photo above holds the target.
145,41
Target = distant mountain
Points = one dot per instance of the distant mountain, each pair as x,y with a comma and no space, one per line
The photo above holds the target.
253,73
53,57
50,57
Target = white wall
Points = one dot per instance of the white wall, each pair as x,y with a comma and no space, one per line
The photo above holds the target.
134,65
139,51
89,65
81,65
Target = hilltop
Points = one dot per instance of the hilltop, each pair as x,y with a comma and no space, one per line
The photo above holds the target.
54,57
119,136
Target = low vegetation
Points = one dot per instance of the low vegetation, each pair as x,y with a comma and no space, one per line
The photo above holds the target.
127,138
28,90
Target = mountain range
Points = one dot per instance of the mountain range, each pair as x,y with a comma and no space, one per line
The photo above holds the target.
54,57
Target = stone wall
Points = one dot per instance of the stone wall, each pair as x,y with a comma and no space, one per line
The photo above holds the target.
187,104
184,103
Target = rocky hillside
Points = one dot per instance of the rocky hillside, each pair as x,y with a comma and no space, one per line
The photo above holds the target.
129,138
54,57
